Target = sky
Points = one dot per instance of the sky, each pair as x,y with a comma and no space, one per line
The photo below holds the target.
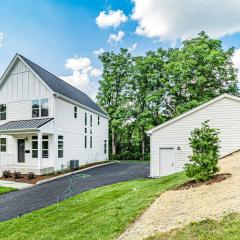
66,37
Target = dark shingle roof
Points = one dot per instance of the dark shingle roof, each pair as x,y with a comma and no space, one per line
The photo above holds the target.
59,86
24,124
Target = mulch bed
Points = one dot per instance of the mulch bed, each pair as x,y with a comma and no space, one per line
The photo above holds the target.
24,179
193,183
38,178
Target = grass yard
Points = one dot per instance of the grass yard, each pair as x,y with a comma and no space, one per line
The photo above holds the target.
228,228
102,213
6,189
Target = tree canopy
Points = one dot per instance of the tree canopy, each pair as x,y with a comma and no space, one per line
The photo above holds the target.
139,92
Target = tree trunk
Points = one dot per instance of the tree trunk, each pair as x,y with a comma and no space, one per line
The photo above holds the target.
143,143
113,143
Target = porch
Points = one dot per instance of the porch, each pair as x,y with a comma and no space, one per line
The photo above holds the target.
29,147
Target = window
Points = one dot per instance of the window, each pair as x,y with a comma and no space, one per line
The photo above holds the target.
98,120
44,107
45,146
85,141
90,141
90,120
60,146
90,131
85,119
34,147
75,112
2,111
3,144
40,108
105,146
35,108
85,130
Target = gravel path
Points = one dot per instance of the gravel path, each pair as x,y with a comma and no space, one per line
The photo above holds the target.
174,209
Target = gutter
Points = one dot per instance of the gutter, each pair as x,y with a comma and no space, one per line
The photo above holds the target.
28,130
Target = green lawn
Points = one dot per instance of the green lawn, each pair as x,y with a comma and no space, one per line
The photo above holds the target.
228,228
6,189
101,213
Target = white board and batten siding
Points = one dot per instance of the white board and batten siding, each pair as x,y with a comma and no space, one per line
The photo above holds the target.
19,86
224,114
18,91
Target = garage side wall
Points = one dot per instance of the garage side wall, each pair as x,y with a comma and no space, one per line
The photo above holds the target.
223,114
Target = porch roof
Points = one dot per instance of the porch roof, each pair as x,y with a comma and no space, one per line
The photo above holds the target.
24,125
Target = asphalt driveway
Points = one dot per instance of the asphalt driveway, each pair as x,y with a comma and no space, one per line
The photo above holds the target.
17,203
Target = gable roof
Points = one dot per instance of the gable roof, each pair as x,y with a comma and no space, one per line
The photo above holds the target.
225,95
61,87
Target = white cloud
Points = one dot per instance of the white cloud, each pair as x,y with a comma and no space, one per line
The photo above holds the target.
111,19
98,51
133,47
96,72
115,38
82,71
2,36
77,64
236,61
171,20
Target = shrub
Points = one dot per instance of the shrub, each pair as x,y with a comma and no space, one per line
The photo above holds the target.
128,155
31,175
6,174
17,175
205,153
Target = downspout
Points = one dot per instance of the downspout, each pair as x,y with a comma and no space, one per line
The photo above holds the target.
54,132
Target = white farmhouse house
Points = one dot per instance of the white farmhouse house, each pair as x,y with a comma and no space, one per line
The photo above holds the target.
45,122
169,142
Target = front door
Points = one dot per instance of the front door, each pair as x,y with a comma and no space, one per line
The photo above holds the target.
21,150
167,160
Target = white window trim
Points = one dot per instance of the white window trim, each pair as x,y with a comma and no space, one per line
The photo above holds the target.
3,145
4,112
43,149
61,140
40,108
34,149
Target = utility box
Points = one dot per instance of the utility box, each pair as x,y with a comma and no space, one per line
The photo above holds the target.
74,164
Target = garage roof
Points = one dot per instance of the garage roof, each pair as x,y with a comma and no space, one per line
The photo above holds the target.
225,95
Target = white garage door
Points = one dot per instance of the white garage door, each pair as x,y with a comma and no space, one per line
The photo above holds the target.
167,160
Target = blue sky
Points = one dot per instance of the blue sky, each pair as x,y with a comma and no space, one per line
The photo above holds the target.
52,32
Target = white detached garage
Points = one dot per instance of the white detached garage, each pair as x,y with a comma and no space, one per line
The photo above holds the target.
170,148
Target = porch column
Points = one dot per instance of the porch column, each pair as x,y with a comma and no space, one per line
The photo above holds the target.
39,150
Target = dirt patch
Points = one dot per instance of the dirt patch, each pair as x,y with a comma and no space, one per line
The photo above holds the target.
24,178
175,209
215,179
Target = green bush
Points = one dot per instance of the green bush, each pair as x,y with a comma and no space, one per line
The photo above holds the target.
126,155
17,175
31,175
6,174
205,153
